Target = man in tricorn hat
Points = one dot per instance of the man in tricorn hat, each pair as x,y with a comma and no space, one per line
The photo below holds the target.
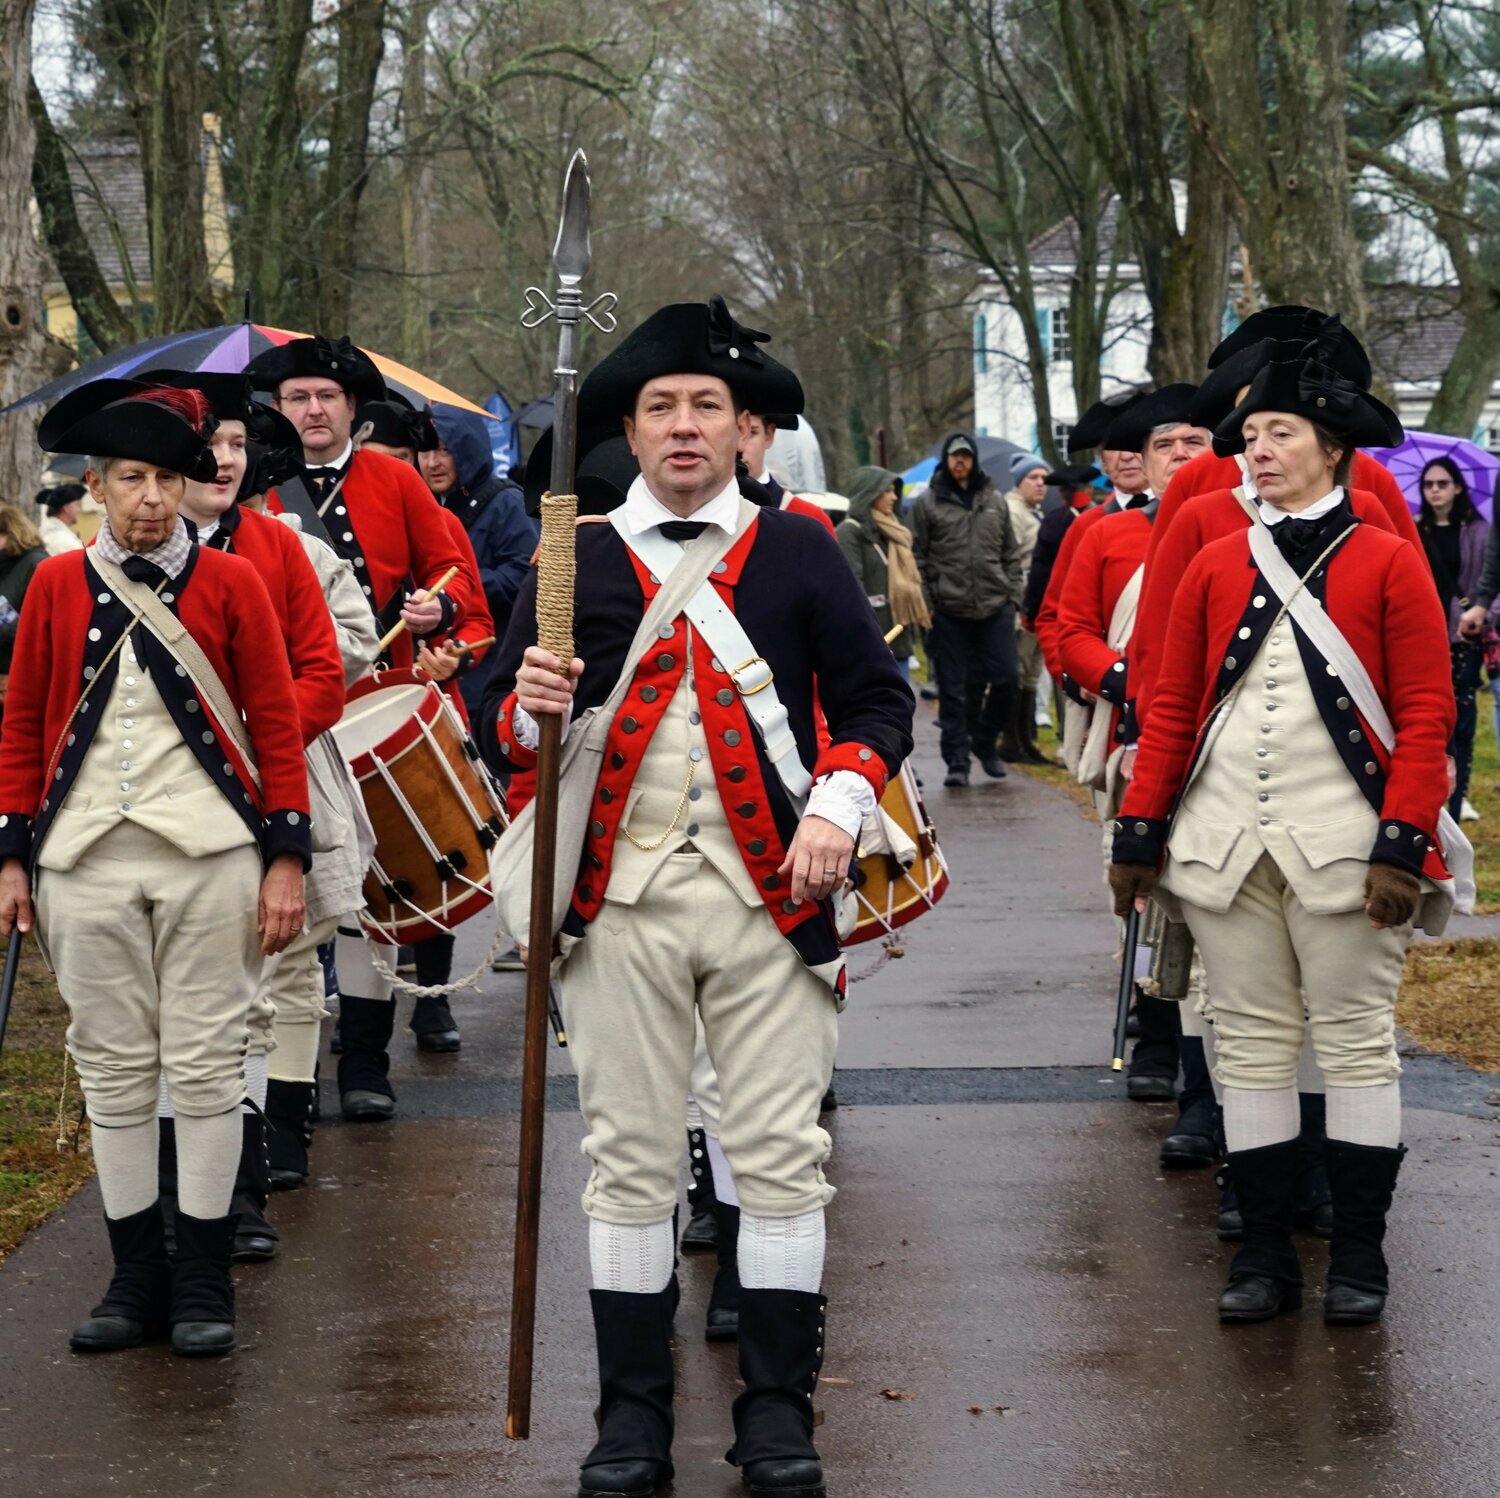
152,782
705,878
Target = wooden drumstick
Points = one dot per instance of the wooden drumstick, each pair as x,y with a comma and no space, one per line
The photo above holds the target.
426,597
462,649
892,632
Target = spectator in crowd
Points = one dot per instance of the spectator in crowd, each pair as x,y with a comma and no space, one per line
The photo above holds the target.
59,507
966,549
21,552
1455,537
1028,477
7,647
879,549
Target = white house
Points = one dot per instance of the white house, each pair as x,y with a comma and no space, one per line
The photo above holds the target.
1413,331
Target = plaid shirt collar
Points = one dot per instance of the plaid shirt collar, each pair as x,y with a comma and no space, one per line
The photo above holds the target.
171,556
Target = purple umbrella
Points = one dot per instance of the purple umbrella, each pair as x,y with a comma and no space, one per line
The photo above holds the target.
1407,461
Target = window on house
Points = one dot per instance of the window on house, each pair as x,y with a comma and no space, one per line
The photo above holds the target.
1061,431
981,345
1061,342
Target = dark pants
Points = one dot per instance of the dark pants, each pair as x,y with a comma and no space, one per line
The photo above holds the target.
977,667
1467,659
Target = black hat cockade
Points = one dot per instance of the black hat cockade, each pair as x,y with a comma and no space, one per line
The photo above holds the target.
689,338
395,422
334,359
117,418
232,397
1309,388
605,470
1090,428
1132,428
1337,347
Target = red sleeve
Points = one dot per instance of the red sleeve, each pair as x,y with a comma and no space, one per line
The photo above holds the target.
474,621
1419,699
1169,734
429,544
859,758
1082,627
1046,616
1377,478
23,743
317,667
1165,568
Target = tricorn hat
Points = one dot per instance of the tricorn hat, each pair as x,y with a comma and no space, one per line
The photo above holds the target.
605,470
59,497
118,418
232,398
1090,428
334,359
1307,387
396,422
1073,476
1132,427
689,338
783,421
1337,347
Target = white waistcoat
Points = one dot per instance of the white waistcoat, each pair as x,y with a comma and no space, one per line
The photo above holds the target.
1271,781
139,769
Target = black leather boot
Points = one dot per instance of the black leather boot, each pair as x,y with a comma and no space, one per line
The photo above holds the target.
1363,1179
365,1092
1012,747
723,1323
1190,1145
633,1455
701,1235
432,1021
781,1354
254,1238
1152,1074
1265,1278
1314,1198
139,1298
202,1290
289,1111
166,1177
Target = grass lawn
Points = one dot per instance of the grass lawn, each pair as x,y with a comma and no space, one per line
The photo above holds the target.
35,1177
1484,792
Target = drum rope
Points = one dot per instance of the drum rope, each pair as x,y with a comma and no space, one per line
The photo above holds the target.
498,942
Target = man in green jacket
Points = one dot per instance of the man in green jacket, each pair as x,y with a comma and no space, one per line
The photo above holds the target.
966,549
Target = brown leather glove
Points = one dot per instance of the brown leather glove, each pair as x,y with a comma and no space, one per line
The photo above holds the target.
1128,882
1391,894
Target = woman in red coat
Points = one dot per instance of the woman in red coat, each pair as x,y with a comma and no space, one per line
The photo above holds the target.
1292,772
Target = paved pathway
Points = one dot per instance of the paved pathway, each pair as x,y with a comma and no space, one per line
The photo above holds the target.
1005,1259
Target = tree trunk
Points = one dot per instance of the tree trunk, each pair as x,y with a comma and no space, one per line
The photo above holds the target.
29,356
1472,370
416,191
102,317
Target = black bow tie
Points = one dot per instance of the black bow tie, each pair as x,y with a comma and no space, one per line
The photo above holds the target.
139,570
1297,540
684,530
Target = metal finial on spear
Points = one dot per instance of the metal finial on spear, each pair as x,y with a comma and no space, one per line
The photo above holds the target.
554,610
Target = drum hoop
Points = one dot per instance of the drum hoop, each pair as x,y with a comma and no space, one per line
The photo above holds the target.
400,740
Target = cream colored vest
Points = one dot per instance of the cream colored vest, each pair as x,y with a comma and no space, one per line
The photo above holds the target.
139,769
679,740
1272,782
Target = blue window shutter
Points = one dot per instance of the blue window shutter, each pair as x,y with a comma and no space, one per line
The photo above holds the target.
981,344
1044,327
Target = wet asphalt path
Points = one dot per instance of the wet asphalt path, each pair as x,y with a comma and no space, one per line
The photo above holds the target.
1021,1305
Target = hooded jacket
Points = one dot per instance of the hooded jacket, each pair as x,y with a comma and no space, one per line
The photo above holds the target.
965,544
862,543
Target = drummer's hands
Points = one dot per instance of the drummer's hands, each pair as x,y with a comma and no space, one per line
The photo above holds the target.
438,664
15,896
540,685
282,907
818,859
422,618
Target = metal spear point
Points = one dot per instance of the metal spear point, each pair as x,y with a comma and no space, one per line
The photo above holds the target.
554,610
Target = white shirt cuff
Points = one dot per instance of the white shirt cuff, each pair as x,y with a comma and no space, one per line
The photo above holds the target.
843,798
530,735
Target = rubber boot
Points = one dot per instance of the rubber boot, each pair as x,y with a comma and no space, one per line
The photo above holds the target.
781,1354
139,1298
1363,1180
289,1110
1152,1074
701,1235
633,1455
202,1290
1190,1145
365,1092
1314,1199
254,1238
166,1177
723,1324
1265,1278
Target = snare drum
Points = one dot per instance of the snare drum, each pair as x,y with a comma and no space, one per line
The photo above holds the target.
900,872
435,810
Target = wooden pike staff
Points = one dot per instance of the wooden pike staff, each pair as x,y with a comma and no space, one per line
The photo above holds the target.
555,564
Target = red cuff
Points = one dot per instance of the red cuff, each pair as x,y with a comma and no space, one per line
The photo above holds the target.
520,757
865,762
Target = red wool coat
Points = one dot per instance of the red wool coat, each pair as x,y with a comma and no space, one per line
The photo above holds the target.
1045,623
474,622
275,552
1379,593
227,611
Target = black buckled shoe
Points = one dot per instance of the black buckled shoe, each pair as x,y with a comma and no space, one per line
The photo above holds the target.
781,1355
364,1105
202,1290
1265,1278
433,1025
1363,1181
255,1239
289,1111
139,1298
723,1321
633,1455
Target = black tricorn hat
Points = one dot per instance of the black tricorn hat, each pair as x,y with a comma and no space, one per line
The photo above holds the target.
398,423
1289,321
1307,387
233,399
689,338
1073,476
605,470
59,497
783,421
1169,406
1337,347
1091,426
311,358
137,427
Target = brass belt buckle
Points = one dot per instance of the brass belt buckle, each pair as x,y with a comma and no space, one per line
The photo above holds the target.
755,660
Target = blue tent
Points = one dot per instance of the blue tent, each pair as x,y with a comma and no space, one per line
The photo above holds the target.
505,440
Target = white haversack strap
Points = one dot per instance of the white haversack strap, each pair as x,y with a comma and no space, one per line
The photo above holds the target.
732,647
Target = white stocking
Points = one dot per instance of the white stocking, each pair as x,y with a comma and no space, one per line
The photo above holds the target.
783,1253
126,1162
1257,1116
1366,1115
638,1260
208,1157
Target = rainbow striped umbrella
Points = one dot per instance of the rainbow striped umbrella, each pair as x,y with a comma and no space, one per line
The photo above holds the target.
227,350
